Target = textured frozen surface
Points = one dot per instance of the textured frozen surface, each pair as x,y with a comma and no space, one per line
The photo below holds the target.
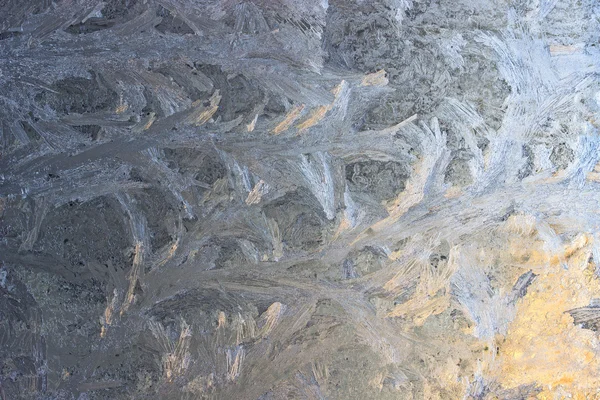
299,199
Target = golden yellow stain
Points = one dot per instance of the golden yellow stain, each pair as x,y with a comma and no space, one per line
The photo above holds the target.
319,113
202,114
558,49
542,345
235,364
289,119
337,91
151,120
378,78
394,255
170,253
65,374
134,277
314,118
593,176
432,294
531,251
377,381
250,127
453,192
108,314
412,194
122,107
270,318
342,227
222,320
521,224
256,193
419,308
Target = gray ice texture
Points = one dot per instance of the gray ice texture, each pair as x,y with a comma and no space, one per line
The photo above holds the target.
283,199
